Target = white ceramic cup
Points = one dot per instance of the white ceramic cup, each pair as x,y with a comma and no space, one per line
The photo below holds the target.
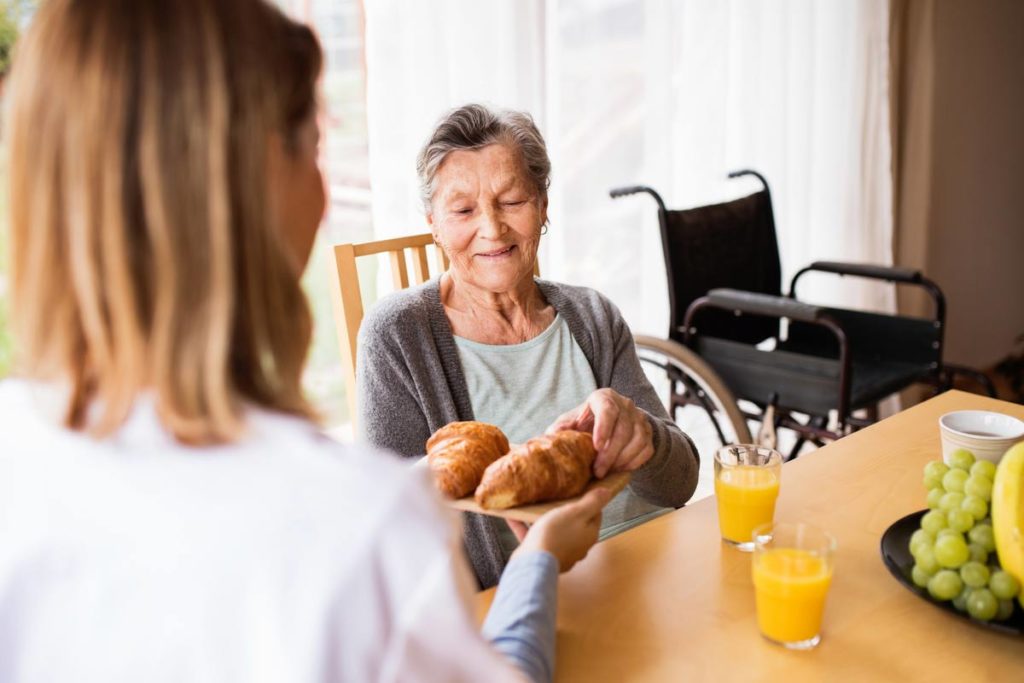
986,434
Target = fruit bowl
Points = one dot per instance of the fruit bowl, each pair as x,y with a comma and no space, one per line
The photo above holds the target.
898,560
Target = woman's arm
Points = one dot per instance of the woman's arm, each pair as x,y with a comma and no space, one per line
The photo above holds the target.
389,415
669,478
407,614
521,622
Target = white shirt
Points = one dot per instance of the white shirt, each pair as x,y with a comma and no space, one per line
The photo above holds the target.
283,557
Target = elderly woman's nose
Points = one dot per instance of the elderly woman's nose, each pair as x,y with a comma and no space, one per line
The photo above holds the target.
490,223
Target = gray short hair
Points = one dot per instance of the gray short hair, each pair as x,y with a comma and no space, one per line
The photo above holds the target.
473,126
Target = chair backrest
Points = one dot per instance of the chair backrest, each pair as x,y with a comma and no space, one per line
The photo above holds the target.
731,245
348,296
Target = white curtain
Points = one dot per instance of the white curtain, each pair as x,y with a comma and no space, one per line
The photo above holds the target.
671,94
424,58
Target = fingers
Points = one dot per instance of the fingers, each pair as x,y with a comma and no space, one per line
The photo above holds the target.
589,506
640,459
594,500
616,453
580,418
518,528
565,421
606,413
639,449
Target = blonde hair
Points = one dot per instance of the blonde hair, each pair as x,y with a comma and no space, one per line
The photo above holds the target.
144,252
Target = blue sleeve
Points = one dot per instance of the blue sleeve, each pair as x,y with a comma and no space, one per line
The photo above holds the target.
521,622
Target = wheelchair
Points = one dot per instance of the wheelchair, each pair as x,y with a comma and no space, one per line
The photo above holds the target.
733,336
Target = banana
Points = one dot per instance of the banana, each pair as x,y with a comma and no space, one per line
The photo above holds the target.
1008,513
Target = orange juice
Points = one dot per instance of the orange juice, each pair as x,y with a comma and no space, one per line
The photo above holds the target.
746,499
790,587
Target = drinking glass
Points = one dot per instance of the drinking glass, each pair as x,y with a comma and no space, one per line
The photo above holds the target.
746,486
792,570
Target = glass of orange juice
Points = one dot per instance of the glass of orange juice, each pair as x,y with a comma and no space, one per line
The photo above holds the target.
792,570
746,486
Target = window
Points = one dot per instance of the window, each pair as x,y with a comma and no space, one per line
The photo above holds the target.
343,149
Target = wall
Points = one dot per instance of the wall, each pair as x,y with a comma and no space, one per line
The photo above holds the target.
963,91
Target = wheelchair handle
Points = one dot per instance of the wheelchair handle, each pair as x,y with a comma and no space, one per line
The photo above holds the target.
617,192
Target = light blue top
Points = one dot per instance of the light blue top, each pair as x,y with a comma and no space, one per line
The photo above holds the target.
523,388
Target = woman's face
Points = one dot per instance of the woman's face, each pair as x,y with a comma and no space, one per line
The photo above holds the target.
295,178
487,216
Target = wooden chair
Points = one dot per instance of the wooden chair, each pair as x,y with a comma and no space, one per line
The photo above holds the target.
347,293
348,297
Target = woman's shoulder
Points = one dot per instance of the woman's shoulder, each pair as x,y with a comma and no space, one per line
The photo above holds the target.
586,301
275,453
407,309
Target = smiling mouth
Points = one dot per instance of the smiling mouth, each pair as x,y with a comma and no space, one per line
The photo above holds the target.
498,252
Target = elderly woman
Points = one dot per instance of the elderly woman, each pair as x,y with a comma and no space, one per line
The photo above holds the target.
488,341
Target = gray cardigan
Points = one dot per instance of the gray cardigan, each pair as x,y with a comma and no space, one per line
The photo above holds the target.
410,384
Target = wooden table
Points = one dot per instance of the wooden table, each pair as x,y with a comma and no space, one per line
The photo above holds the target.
667,601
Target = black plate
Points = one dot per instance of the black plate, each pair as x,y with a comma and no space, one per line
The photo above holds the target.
896,556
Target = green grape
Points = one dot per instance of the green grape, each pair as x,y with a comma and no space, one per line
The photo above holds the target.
978,554
951,501
1005,610
982,535
984,468
980,486
919,538
934,496
933,473
919,577
1003,585
933,521
959,520
945,585
926,560
951,552
981,604
960,601
975,505
954,480
961,459
950,532
936,468
974,574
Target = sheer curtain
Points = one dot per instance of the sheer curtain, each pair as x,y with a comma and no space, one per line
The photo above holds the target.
423,58
672,94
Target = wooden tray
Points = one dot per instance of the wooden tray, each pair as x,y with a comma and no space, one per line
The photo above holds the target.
529,513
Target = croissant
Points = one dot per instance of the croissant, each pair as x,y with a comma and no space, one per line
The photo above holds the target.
547,467
459,452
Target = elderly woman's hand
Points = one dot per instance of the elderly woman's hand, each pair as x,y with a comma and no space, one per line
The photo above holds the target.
622,434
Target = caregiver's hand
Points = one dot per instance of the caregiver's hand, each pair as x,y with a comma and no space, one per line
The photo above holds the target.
567,532
622,434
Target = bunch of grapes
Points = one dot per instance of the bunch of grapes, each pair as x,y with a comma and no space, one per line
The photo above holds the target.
954,550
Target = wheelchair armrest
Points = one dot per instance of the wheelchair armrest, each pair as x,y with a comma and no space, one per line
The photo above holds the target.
868,270
763,304
740,301
906,276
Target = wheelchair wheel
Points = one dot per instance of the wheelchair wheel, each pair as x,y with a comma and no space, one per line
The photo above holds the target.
693,394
